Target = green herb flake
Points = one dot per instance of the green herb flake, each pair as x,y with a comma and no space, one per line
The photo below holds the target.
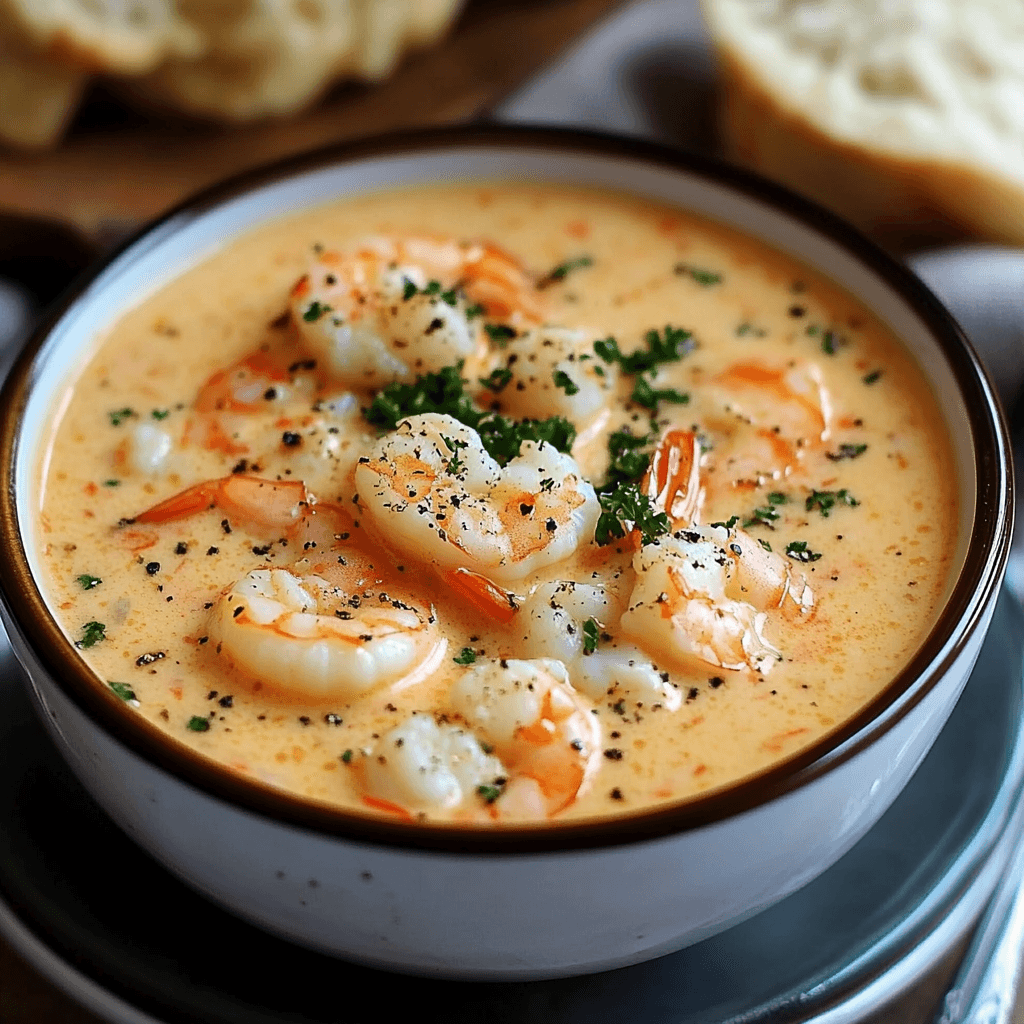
825,501
829,343
454,463
565,382
649,397
409,289
799,552
699,274
160,414
764,543
500,333
490,793
111,483
123,690
315,310
92,634
763,516
846,451
87,582
465,657
472,312
870,378
118,416
777,498
591,632
562,271
729,523
667,346
749,330
347,756
626,504
198,724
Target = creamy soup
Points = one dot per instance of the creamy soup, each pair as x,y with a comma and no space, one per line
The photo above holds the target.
593,507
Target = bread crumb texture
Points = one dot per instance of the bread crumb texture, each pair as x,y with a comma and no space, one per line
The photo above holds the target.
900,114
227,62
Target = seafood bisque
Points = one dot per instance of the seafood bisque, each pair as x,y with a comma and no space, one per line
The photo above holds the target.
592,507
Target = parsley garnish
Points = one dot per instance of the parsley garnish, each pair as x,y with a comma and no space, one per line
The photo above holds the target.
465,657
347,756
92,633
118,416
454,463
747,328
444,392
591,631
500,332
626,503
825,501
160,414
829,342
565,382
649,397
472,312
315,310
767,514
870,378
87,582
560,272
198,724
111,483
764,543
123,690
497,380
490,793
701,276
797,550
728,523
668,346
846,451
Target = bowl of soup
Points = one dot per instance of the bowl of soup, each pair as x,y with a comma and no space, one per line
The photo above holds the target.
499,553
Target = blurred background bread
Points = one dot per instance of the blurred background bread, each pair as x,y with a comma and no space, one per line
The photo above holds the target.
905,116
220,60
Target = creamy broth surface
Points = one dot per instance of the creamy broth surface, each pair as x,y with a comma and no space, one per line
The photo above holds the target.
863,519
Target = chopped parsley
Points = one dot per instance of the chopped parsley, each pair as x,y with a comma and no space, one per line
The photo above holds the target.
87,582
160,414
563,270
825,501
649,397
111,483
315,310
123,690
627,504
497,380
490,793
747,329
92,633
444,392
829,342
798,551
764,543
454,463
198,724
765,515
472,312
591,632
846,451
465,657
347,756
870,378
565,382
432,288
668,346
500,333
118,416
700,275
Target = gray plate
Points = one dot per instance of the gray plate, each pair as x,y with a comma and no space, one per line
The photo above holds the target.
109,920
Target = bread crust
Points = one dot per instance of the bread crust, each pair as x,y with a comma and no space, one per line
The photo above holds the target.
902,200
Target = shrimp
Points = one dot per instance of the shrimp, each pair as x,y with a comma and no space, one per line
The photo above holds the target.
394,308
433,491
307,635
334,623
552,371
558,616
538,725
421,765
765,420
683,603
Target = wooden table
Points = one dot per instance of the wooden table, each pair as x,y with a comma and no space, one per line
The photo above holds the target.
117,168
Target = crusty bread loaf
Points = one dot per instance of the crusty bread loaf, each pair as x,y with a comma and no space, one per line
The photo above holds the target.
225,61
905,116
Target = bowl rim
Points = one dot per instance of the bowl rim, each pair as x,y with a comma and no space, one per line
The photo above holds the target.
981,575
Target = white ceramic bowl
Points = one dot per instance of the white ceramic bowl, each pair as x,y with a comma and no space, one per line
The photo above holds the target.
551,899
